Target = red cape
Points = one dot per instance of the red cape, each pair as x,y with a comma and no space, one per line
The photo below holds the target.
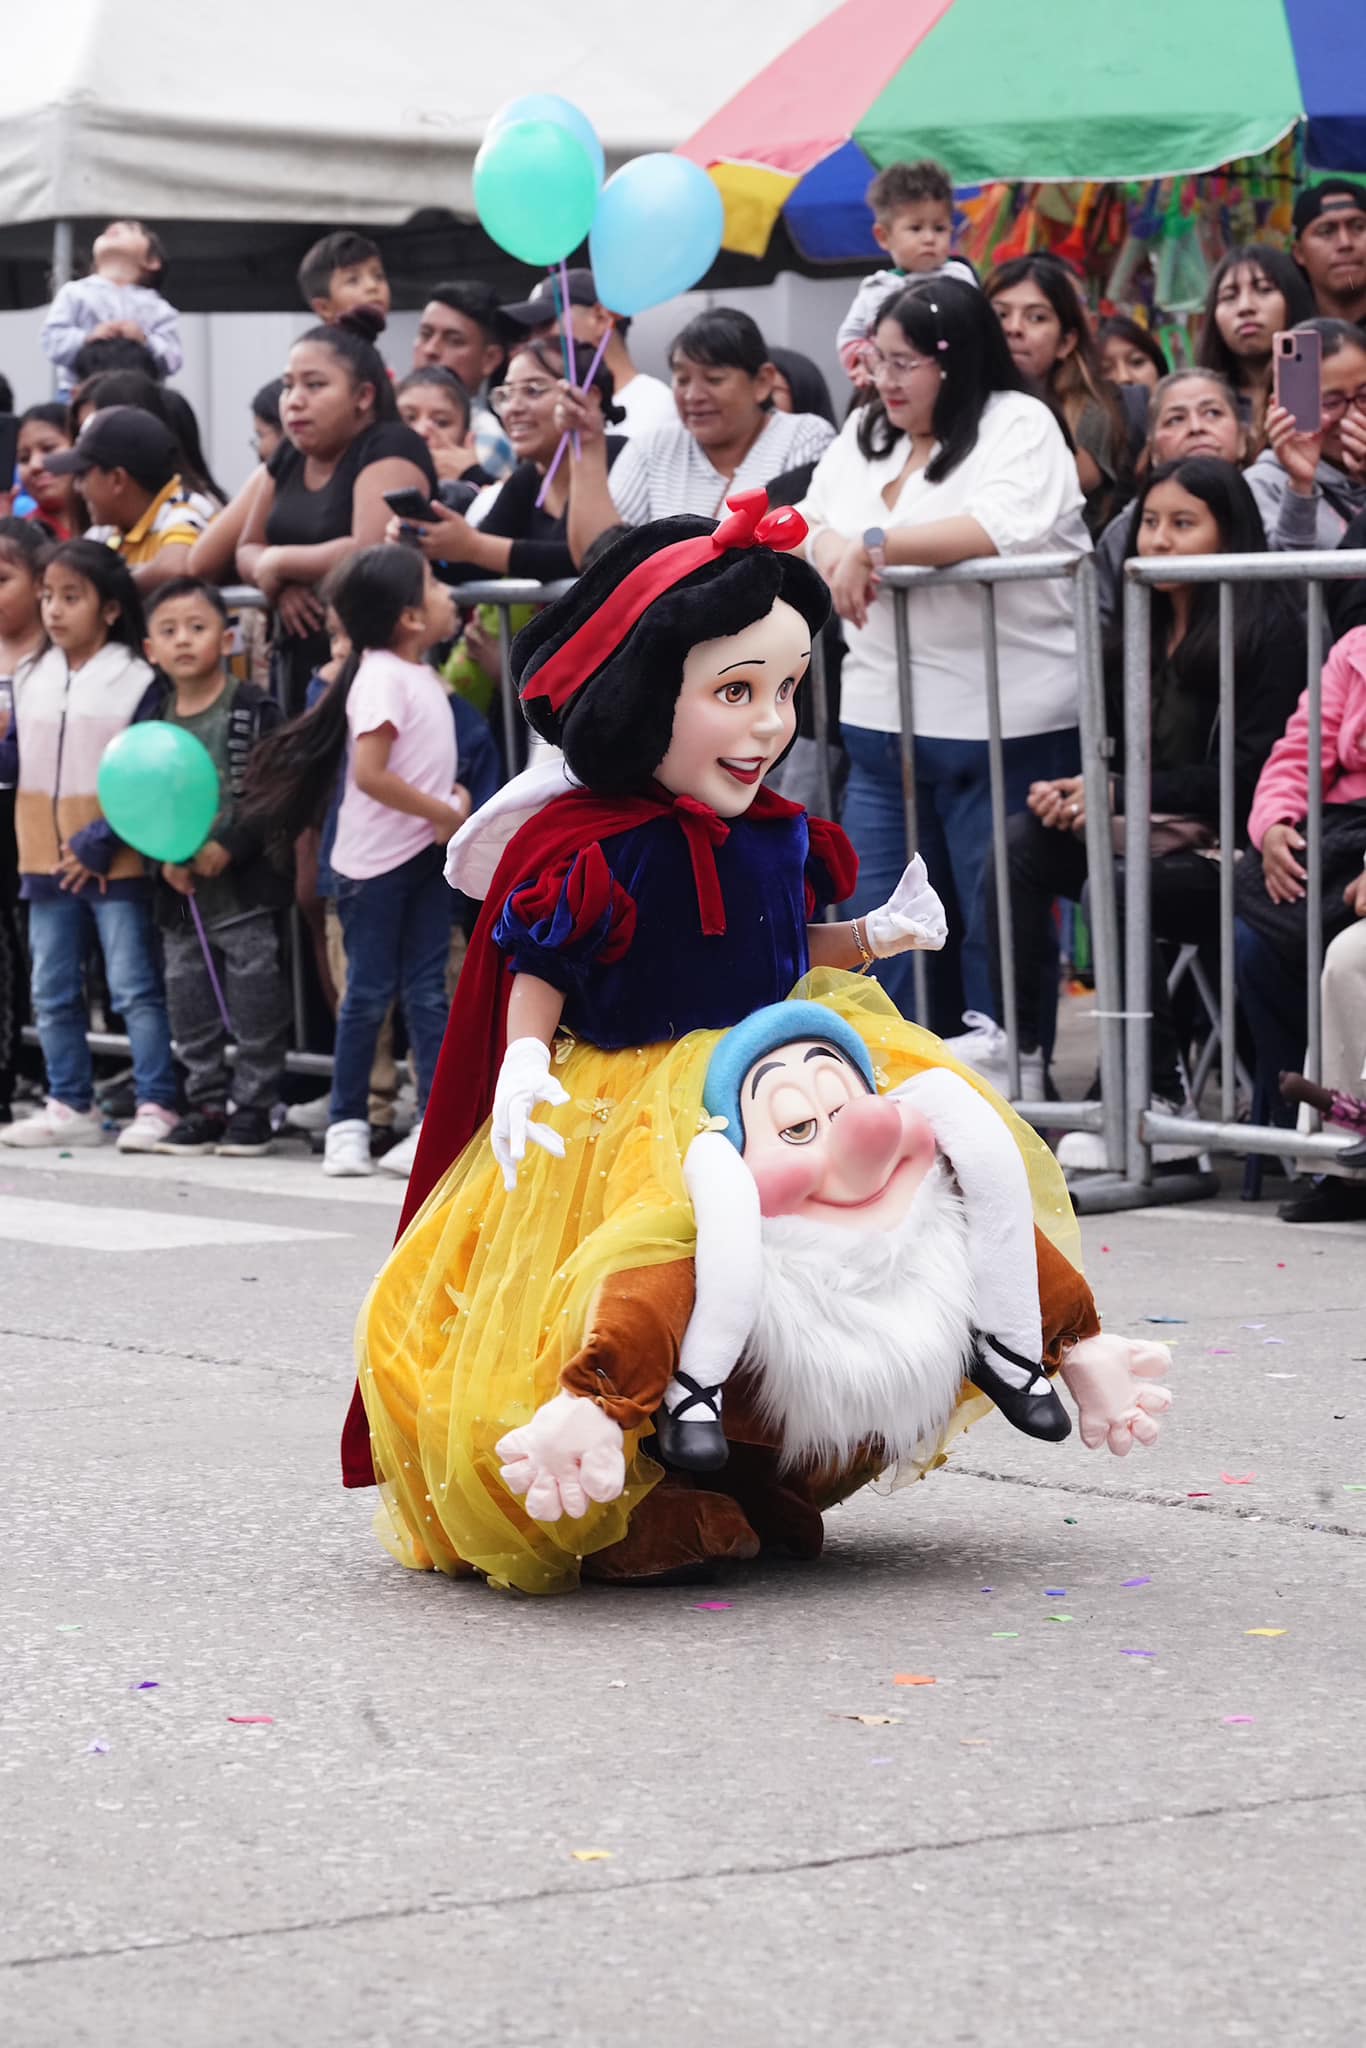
476,1030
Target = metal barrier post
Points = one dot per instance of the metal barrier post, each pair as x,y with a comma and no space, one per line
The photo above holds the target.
820,721
1096,753
906,699
1137,875
1228,1065
1313,1062
513,725
1000,850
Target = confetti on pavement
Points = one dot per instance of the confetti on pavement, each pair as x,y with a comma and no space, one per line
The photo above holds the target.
711,1606
912,1678
1138,1653
252,1720
1135,1582
1264,1631
591,1855
1238,1720
1237,1478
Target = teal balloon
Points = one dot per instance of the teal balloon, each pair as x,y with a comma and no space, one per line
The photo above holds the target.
158,788
657,231
548,106
535,190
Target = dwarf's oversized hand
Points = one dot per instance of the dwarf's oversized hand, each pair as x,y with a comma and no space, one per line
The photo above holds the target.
524,1080
568,1454
1112,1380
911,917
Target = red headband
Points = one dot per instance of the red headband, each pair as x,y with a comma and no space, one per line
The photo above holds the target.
749,524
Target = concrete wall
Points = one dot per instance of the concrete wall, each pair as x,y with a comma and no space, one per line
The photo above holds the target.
228,356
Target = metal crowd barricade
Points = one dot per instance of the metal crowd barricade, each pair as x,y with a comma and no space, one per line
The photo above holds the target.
1146,1126
504,592
1107,1115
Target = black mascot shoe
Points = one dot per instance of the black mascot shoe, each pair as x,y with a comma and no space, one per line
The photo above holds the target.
1033,1409
688,1442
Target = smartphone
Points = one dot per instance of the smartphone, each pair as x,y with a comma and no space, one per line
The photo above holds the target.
411,504
1298,374
9,448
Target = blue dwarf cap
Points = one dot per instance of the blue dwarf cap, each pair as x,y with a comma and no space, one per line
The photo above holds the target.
763,1032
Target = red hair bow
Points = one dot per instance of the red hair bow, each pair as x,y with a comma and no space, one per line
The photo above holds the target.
749,524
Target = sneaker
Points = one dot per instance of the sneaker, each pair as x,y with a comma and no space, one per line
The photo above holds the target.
152,1124
399,1158
248,1134
55,1124
983,1048
1325,1199
346,1154
197,1132
309,1116
1084,1151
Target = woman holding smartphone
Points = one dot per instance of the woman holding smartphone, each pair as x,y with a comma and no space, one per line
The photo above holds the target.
1309,486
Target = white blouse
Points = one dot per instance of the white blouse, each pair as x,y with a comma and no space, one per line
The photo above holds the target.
1020,484
659,474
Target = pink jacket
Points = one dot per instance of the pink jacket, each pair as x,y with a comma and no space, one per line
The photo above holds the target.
1282,796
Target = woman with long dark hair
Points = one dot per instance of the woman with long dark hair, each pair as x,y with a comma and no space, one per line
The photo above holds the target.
1197,507
1037,302
1254,293
951,459
523,533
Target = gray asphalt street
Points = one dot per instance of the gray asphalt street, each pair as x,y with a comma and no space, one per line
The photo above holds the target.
262,1786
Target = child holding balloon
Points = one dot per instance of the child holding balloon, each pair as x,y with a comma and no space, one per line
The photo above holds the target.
240,878
76,874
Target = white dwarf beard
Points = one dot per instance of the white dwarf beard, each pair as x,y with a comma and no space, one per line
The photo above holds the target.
864,1336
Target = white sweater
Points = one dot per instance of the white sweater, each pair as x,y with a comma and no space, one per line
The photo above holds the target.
1020,484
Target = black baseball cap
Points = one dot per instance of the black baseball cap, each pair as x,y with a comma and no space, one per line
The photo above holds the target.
1313,201
542,309
122,437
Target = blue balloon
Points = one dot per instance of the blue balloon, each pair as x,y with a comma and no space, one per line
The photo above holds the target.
548,106
657,230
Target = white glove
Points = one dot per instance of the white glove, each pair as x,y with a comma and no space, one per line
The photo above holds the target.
912,917
524,1079
568,1454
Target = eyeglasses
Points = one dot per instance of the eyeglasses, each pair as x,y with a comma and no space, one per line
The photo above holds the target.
898,367
528,393
1334,404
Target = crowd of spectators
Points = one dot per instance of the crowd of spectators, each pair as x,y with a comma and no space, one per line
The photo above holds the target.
355,716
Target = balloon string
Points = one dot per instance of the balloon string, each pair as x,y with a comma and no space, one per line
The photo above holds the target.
208,962
589,375
567,334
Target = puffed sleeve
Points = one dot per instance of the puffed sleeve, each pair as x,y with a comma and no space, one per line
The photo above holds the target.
573,917
831,866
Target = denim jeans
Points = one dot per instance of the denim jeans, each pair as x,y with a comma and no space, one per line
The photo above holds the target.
953,810
59,928
397,932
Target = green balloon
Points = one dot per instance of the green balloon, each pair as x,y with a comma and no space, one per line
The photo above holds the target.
158,788
535,190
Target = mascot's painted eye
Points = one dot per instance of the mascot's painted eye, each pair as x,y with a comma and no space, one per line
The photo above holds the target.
799,1134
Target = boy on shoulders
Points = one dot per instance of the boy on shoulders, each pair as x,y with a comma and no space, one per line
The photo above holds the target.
912,207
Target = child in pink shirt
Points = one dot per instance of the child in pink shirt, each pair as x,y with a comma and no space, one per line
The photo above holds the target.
400,804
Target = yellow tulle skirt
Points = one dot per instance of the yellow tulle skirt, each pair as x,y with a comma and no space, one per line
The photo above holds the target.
488,1294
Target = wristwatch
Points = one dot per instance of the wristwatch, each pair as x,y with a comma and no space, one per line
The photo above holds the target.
875,540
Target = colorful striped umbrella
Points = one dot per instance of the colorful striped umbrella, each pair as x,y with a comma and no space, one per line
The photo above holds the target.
1001,89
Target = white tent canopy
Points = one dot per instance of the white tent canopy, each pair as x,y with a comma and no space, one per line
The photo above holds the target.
356,111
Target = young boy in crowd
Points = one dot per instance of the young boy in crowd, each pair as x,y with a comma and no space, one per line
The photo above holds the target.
341,271
125,466
117,301
912,207
238,882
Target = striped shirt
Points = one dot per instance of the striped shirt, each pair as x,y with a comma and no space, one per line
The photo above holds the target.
666,472
171,520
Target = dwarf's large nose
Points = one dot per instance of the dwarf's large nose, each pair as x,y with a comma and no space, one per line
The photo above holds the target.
865,1142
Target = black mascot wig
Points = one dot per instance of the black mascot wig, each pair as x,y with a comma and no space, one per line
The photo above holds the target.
600,669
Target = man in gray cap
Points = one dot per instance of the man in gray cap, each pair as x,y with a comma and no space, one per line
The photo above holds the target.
647,401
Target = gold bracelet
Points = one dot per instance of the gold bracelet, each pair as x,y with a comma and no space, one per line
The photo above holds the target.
866,956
